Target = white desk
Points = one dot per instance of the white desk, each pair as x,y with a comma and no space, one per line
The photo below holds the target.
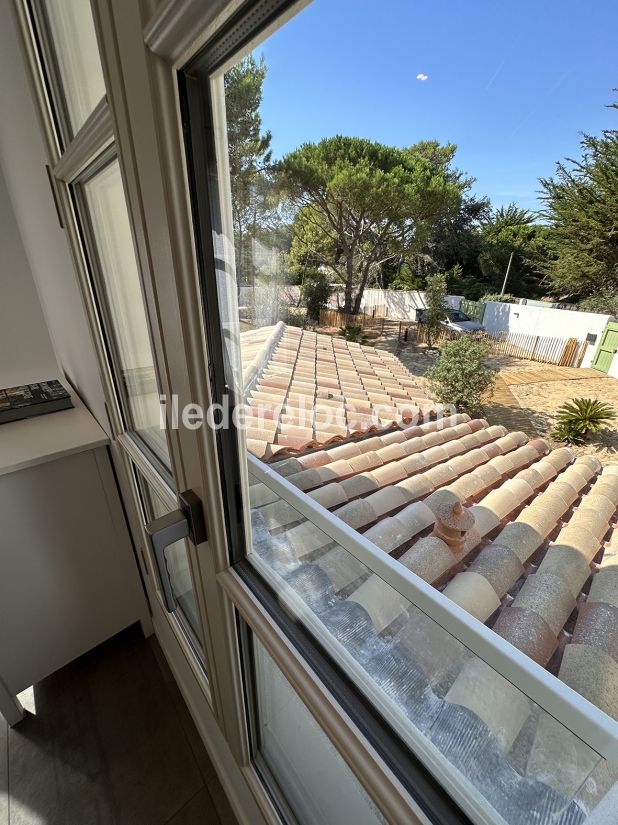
45,438
68,575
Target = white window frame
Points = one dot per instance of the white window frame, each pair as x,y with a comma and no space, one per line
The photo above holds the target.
102,130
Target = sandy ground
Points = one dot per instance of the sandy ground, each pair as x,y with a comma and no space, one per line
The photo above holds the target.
544,398
530,407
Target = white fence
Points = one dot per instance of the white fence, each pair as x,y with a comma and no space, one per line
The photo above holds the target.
400,304
548,322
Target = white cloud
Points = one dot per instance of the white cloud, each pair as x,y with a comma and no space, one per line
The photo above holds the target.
421,76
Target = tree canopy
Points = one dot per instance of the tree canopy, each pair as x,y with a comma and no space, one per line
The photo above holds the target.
361,204
581,206
513,230
356,212
249,155
455,238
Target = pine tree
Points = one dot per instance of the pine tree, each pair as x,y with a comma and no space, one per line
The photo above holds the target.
581,208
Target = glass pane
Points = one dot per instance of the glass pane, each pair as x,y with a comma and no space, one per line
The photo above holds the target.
313,778
76,54
324,241
177,562
475,730
123,306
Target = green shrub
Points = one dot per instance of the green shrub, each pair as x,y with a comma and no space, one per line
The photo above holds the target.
436,306
579,417
501,299
407,279
315,292
467,285
295,317
352,332
460,376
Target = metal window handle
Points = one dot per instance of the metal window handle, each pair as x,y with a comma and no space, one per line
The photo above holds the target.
186,522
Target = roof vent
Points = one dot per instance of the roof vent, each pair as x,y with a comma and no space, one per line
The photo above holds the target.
453,520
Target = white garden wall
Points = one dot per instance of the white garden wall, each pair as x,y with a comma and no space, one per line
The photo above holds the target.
400,304
553,323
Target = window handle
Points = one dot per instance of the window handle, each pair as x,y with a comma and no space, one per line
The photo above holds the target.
186,522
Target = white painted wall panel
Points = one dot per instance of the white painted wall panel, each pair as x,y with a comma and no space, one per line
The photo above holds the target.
26,353
553,323
401,303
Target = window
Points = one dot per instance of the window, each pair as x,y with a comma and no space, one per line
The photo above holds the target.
331,423
93,196
74,65
448,705
178,569
385,542
108,231
69,65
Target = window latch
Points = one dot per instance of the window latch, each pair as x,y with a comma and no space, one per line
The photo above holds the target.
52,186
186,522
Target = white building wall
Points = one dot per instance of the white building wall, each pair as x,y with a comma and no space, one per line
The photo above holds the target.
26,353
553,323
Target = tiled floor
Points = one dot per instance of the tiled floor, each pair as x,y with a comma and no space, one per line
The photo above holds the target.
110,742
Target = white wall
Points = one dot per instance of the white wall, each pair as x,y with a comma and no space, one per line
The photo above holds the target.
22,158
554,323
26,353
401,303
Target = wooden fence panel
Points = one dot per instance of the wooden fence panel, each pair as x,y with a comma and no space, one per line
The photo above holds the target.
336,318
564,352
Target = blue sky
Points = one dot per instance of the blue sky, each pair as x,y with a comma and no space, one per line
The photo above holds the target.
511,83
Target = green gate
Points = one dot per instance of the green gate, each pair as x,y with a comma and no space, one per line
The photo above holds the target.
608,346
475,309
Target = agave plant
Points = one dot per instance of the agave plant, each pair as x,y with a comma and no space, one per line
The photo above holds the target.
579,417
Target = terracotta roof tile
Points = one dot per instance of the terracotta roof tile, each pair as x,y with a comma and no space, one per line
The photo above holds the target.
568,560
366,461
388,534
359,485
475,594
329,496
417,485
593,673
483,703
528,631
430,558
520,537
382,603
548,595
416,517
387,500
500,566
381,483
597,626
